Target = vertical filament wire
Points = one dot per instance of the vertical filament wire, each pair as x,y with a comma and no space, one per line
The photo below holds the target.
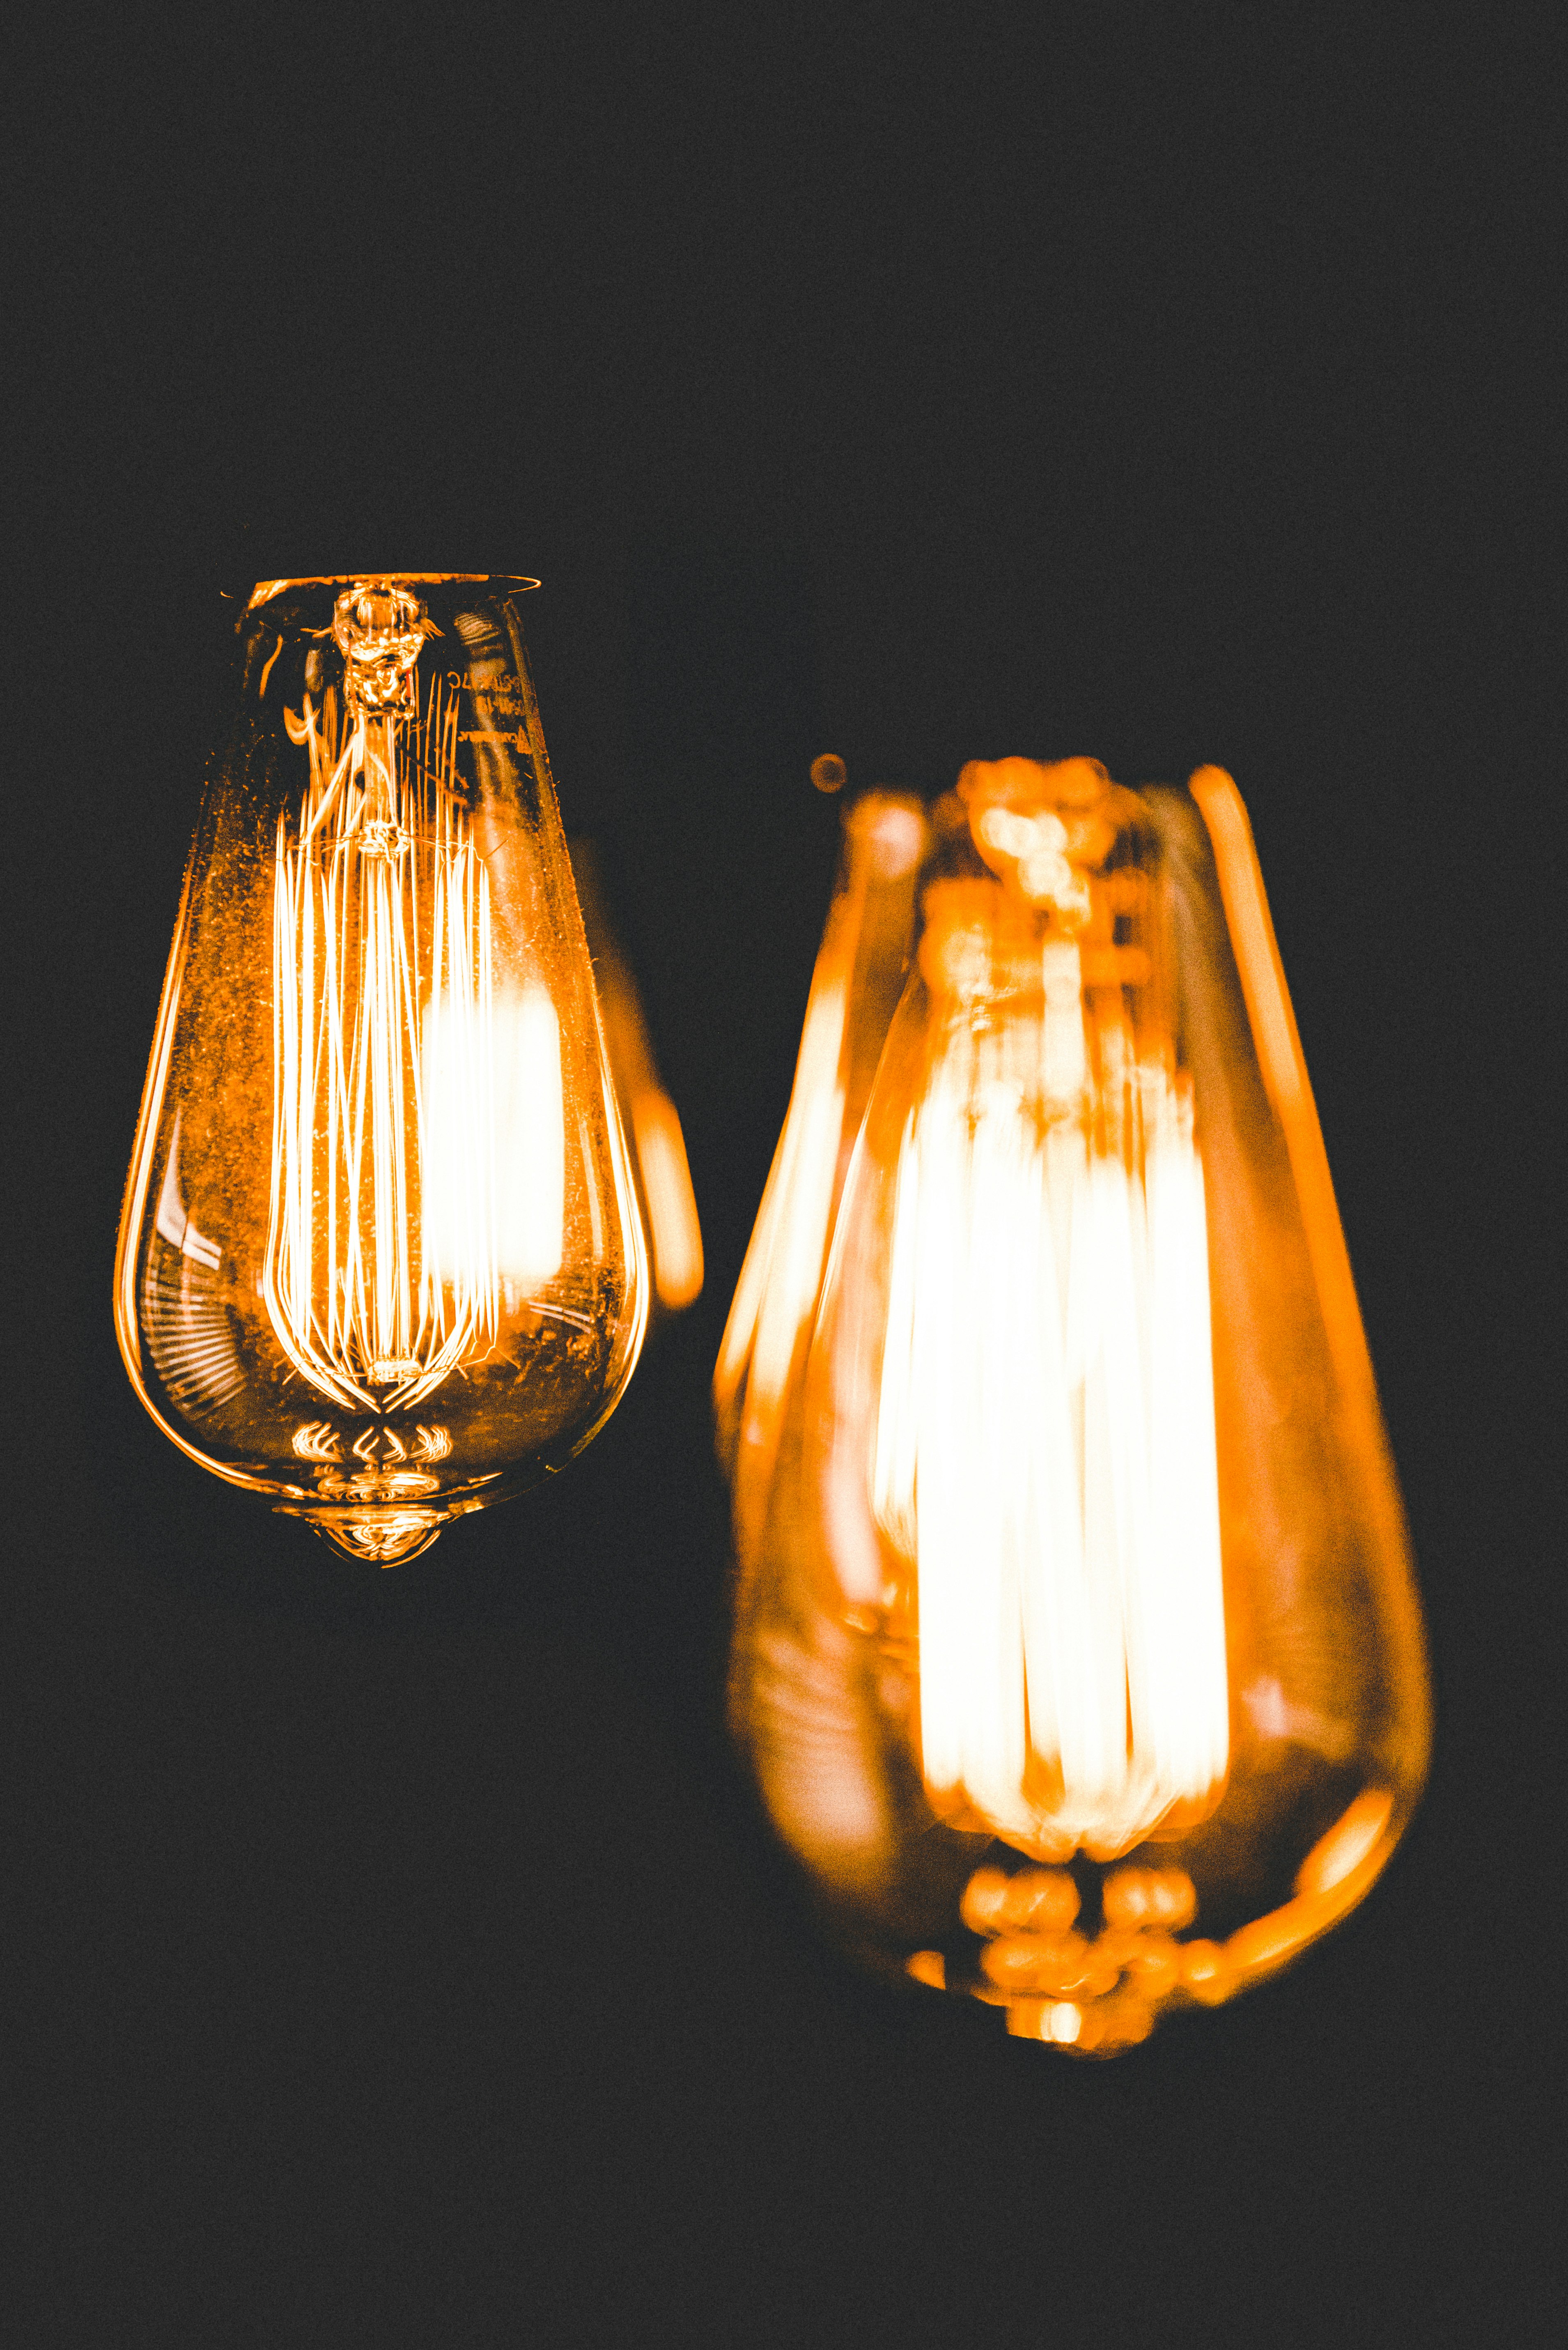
381,1268
1044,1447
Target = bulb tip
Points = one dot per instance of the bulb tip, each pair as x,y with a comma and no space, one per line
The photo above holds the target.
383,1537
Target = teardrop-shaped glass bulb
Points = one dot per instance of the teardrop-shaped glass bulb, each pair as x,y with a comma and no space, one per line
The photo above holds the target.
1083,1665
380,1261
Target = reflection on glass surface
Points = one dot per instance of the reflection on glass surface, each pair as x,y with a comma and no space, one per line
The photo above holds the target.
380,1261
648,1116
860,970
1077,1650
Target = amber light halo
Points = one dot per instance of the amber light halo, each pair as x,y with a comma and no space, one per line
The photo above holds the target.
1076,1649
381,1261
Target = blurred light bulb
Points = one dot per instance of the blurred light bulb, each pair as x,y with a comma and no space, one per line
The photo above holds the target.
1079,1656
389,1173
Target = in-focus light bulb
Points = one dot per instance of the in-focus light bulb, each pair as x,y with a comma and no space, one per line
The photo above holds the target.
380,1261
1078,1652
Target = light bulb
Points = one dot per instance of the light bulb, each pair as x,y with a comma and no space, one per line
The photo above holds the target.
1081,1661
380,1261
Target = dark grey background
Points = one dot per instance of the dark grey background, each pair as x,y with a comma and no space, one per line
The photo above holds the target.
397,1958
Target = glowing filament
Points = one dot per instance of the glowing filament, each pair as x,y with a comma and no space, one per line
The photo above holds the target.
418,1149
1044,1448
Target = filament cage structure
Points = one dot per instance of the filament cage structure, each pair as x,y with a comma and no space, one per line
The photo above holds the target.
1078,1655
379,1093
1043,1462
1043,1459
388,1234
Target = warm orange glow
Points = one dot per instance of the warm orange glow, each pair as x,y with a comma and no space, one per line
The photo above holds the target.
1045,1453
265,589
1099,1569
782,1266
1030,1957
1092,1991
418,1144
649,1116
671,1209
1344,1851
379,1172
859,969
1282,1061
1080,1520
1283,1067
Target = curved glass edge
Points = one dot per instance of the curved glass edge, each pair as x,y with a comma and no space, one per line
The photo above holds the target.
638,1268
265,589
134,1206
856,984
1283,1065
